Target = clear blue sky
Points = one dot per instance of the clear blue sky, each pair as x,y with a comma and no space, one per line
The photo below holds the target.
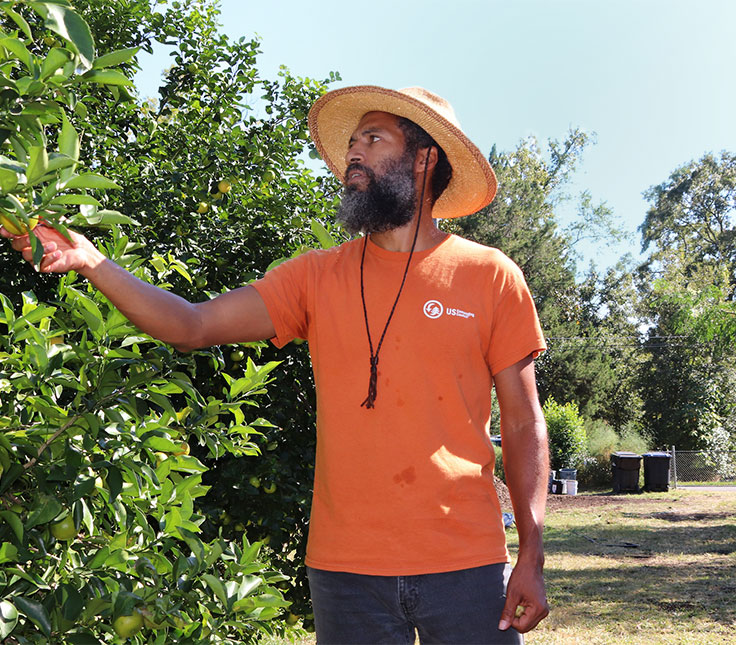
654,79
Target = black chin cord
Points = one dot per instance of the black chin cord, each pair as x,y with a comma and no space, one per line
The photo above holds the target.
373,381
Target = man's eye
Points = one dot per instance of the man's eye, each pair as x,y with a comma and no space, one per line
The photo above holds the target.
374,138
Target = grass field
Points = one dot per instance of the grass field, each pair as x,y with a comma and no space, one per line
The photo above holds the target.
632,569
649,569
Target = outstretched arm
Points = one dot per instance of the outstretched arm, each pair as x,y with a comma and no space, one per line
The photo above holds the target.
237,316
526,465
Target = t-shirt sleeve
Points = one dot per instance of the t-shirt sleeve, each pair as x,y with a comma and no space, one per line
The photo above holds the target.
285,291
515,331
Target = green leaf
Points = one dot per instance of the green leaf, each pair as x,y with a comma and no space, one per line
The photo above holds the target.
20,21
14,522
8,180
106,77
38,164
69,25
17,47
68,138
8,552
115,58
8,618
108,218
75,199
320,232
215,584
55,59
48,509
91,180
36,612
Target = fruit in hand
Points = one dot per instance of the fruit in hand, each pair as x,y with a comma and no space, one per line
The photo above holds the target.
21,229
64,529
127,626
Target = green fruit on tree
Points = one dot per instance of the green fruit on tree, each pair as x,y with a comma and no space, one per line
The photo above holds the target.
202,207
236,356
269,488
161,457
21,228
64,529
254,481
292,619
127,626
224,186
200,282
268,176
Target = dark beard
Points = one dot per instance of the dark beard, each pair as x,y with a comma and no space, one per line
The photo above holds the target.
387,203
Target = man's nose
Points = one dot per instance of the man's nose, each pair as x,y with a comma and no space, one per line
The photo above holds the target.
354,155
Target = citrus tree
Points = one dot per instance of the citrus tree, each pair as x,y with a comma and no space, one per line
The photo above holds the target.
105,432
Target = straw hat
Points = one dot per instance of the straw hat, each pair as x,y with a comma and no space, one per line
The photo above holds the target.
334,117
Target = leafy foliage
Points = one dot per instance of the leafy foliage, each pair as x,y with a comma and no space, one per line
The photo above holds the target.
103,505
566,428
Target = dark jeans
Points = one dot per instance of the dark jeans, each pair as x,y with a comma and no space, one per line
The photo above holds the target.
451,608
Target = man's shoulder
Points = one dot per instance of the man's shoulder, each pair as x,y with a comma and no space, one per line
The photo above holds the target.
468,251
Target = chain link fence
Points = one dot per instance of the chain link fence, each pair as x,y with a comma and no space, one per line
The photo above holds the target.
689,467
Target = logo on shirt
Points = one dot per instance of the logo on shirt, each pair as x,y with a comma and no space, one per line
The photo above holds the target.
434,309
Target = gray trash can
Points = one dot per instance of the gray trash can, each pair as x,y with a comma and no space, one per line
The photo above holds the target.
656,471
625,472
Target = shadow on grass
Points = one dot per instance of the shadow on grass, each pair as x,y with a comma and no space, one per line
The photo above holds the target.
677,563
666,535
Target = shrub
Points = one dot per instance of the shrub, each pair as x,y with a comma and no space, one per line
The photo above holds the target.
566,430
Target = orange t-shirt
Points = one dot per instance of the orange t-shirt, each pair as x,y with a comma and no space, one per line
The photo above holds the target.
406,487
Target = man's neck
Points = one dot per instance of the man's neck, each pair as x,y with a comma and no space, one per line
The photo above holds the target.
400,239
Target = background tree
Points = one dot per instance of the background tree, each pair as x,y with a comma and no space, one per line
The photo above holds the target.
687,381
582,364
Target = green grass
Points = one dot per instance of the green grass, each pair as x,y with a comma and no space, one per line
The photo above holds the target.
655,568
652,569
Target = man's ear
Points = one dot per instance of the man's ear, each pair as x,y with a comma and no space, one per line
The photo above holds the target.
421,159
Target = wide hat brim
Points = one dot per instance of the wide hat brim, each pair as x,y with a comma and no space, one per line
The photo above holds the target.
334,117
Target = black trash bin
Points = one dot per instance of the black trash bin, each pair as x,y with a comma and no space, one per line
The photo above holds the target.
656,471
625,467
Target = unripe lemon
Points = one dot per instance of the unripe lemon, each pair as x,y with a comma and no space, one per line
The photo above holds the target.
64,529
224,186
21,229
203,207
127,626
269,488
268,176
236,356
254,481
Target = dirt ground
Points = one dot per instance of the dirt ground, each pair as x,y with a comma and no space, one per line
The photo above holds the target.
555,502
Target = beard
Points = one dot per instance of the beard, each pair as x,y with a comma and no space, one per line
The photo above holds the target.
388,202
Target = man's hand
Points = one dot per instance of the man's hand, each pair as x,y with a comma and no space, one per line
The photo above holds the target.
525,592
59,254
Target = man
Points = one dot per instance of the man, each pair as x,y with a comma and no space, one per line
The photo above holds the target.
409,329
